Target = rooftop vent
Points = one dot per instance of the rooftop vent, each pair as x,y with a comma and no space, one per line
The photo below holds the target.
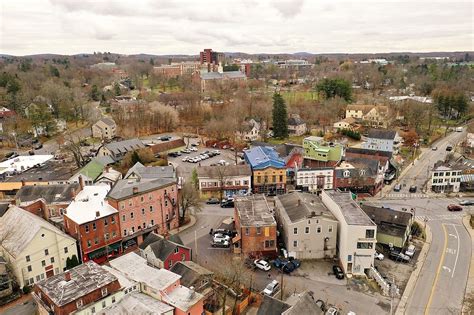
67,276
97,214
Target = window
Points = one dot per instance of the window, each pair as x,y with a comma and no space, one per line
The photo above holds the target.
247,231
123,218
349,257
448,173
131,215
346,173
281,178
167,217
369,233
274,179
106,222
295,230
133,229
183,257
269,243
103,291
295,243
122,205
46,252
259,179
29,269
124,232
141,199
96,240
113,220
86,227
106,236
104,304
79,304
306,229
31,281
113,299
166,202
259,230
176,250
52,260
143,211
330,229
93,310
151,208
143,225
435,174
66,250
170,263
38,278
364,245
27,258
94,226
318,230
152,222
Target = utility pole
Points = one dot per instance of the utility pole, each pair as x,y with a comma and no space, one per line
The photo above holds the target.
195,244
281,285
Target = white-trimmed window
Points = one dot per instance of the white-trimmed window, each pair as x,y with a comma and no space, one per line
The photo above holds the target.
103,291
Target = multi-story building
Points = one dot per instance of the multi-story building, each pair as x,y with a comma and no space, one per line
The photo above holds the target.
104,129
94,223
118,150
256,227
249,131
91,172
177,69
356,232
318,152
359,175
6,287
145,205
211,59
84,289
228,180
315,179
373,115
210,80
382,140
309,229
34,248
268,170
446,177
164,253
296,125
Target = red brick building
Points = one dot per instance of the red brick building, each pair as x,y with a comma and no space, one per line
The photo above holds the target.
164,253
94,224
87,287
256,227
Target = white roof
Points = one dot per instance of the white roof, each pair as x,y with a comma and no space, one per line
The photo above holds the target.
90,200
23,162
18,228
137,303
183,298
124,281
135,267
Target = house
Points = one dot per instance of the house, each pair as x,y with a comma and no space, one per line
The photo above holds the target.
140,171
118,150
390,167
109,176
105,129
249,131
160,284
356,232
256,227
308,228
164,253
296,125
382,140
47,201
359,175
292,155
346,123
34,248
196,276
5,115
446,177
137,303
318,152
393,226
84,289
372,115
6,287
268,170
228,180
94,223
91,172
315,179
145,205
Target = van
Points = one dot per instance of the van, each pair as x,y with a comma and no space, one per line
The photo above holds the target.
458,129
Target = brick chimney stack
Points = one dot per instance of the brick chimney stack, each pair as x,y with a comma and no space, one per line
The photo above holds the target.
67,276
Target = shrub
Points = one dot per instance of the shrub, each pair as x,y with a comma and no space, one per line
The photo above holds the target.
416,229
351,134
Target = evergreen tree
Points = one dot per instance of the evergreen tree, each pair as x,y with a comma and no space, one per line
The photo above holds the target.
116,89
280,117
95,93
135,158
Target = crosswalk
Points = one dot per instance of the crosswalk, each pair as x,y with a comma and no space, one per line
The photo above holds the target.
440,217
405,196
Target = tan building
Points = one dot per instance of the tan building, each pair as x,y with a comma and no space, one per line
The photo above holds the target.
372,115
104,129
308,228
35,248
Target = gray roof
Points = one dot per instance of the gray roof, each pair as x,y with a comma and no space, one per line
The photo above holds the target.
295,121
272,306
389,221
224,171
3,208
60,193
382,134
137,303
124,187
349,208
223,75
160,246
190,272
85,279
254,211
350,150
151,172
370,166
306,304
108,121
122,147
299,206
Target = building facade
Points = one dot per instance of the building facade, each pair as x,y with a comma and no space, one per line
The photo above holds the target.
382,140
164,253
220,181
315,179
104,129
318,152
446,178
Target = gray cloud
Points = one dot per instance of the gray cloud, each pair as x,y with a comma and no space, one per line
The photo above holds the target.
288,8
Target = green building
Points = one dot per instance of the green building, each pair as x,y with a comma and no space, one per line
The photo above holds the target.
318,149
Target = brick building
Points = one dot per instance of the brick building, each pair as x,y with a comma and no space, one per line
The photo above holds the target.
164,253
256,227
94,224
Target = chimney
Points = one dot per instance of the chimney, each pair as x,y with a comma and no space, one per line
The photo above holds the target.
107,169
81,182
97,214
67,276
135,190
23,183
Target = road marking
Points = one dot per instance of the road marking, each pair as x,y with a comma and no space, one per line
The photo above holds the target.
439,269
453,235
450,251
457,252
447,269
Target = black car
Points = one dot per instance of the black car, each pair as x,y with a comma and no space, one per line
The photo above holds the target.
11,155
338,272
412,189
212,201
38,146
289,267
173,154
227,204
165,138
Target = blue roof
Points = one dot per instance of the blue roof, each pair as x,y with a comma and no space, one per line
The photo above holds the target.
263,157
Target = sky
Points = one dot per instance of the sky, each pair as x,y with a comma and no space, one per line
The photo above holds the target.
252,26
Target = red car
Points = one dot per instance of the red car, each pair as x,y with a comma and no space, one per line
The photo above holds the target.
454,208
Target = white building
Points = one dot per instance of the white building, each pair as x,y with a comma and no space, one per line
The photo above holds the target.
35,248
23,163
315,179
250,131
104,129
446,178
356,232
382,140
229,180
296,125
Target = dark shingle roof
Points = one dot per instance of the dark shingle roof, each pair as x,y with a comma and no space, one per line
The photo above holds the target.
390,221
295,121
386,154
124,187
50,193
122,147
271,306
3,208
160,246
190,272
299,206
381,134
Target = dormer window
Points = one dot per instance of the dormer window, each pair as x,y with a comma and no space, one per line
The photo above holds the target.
346,173
362,172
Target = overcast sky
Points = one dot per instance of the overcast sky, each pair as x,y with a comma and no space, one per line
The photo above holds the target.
252,26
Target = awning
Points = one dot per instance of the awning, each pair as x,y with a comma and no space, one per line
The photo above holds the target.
467,178
114,246
97,253
236,238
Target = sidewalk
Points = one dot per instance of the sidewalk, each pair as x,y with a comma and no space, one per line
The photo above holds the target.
401,308
468,303
191,222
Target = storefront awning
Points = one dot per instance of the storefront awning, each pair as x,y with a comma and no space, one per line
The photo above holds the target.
115,246
97,253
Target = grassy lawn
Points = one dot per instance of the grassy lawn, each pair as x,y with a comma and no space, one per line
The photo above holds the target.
294,96
291,139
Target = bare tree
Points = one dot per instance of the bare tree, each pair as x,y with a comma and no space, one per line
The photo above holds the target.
189,198
73,146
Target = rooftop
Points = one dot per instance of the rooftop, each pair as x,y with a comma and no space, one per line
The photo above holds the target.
222,172
389,221
190,272
60,193
51,170
183,298
122,147
263,157
135,267
350,210
223,75
150,172
160,246
123,188
18,227
108,121
272,306
93,169
85,278
254,211
305,304
22,163
382,134
137,303
299,206
88,202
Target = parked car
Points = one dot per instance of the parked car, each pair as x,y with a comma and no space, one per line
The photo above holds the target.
434,148
212,201
398,256
185,159
221,244
412,189
378,256
262,264
449,148
280,262
31,152
38,146
296,263
173,154
453,207
227,204
224,232
338,272
289,267
11,155
271,288
467,203
410,250
397,187
332,311
216,152
165,138
221,237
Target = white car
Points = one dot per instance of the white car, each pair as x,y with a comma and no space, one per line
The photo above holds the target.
262,264
379,256
410,250
193,149
221,237
206,156
271,288
216,152
185,159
